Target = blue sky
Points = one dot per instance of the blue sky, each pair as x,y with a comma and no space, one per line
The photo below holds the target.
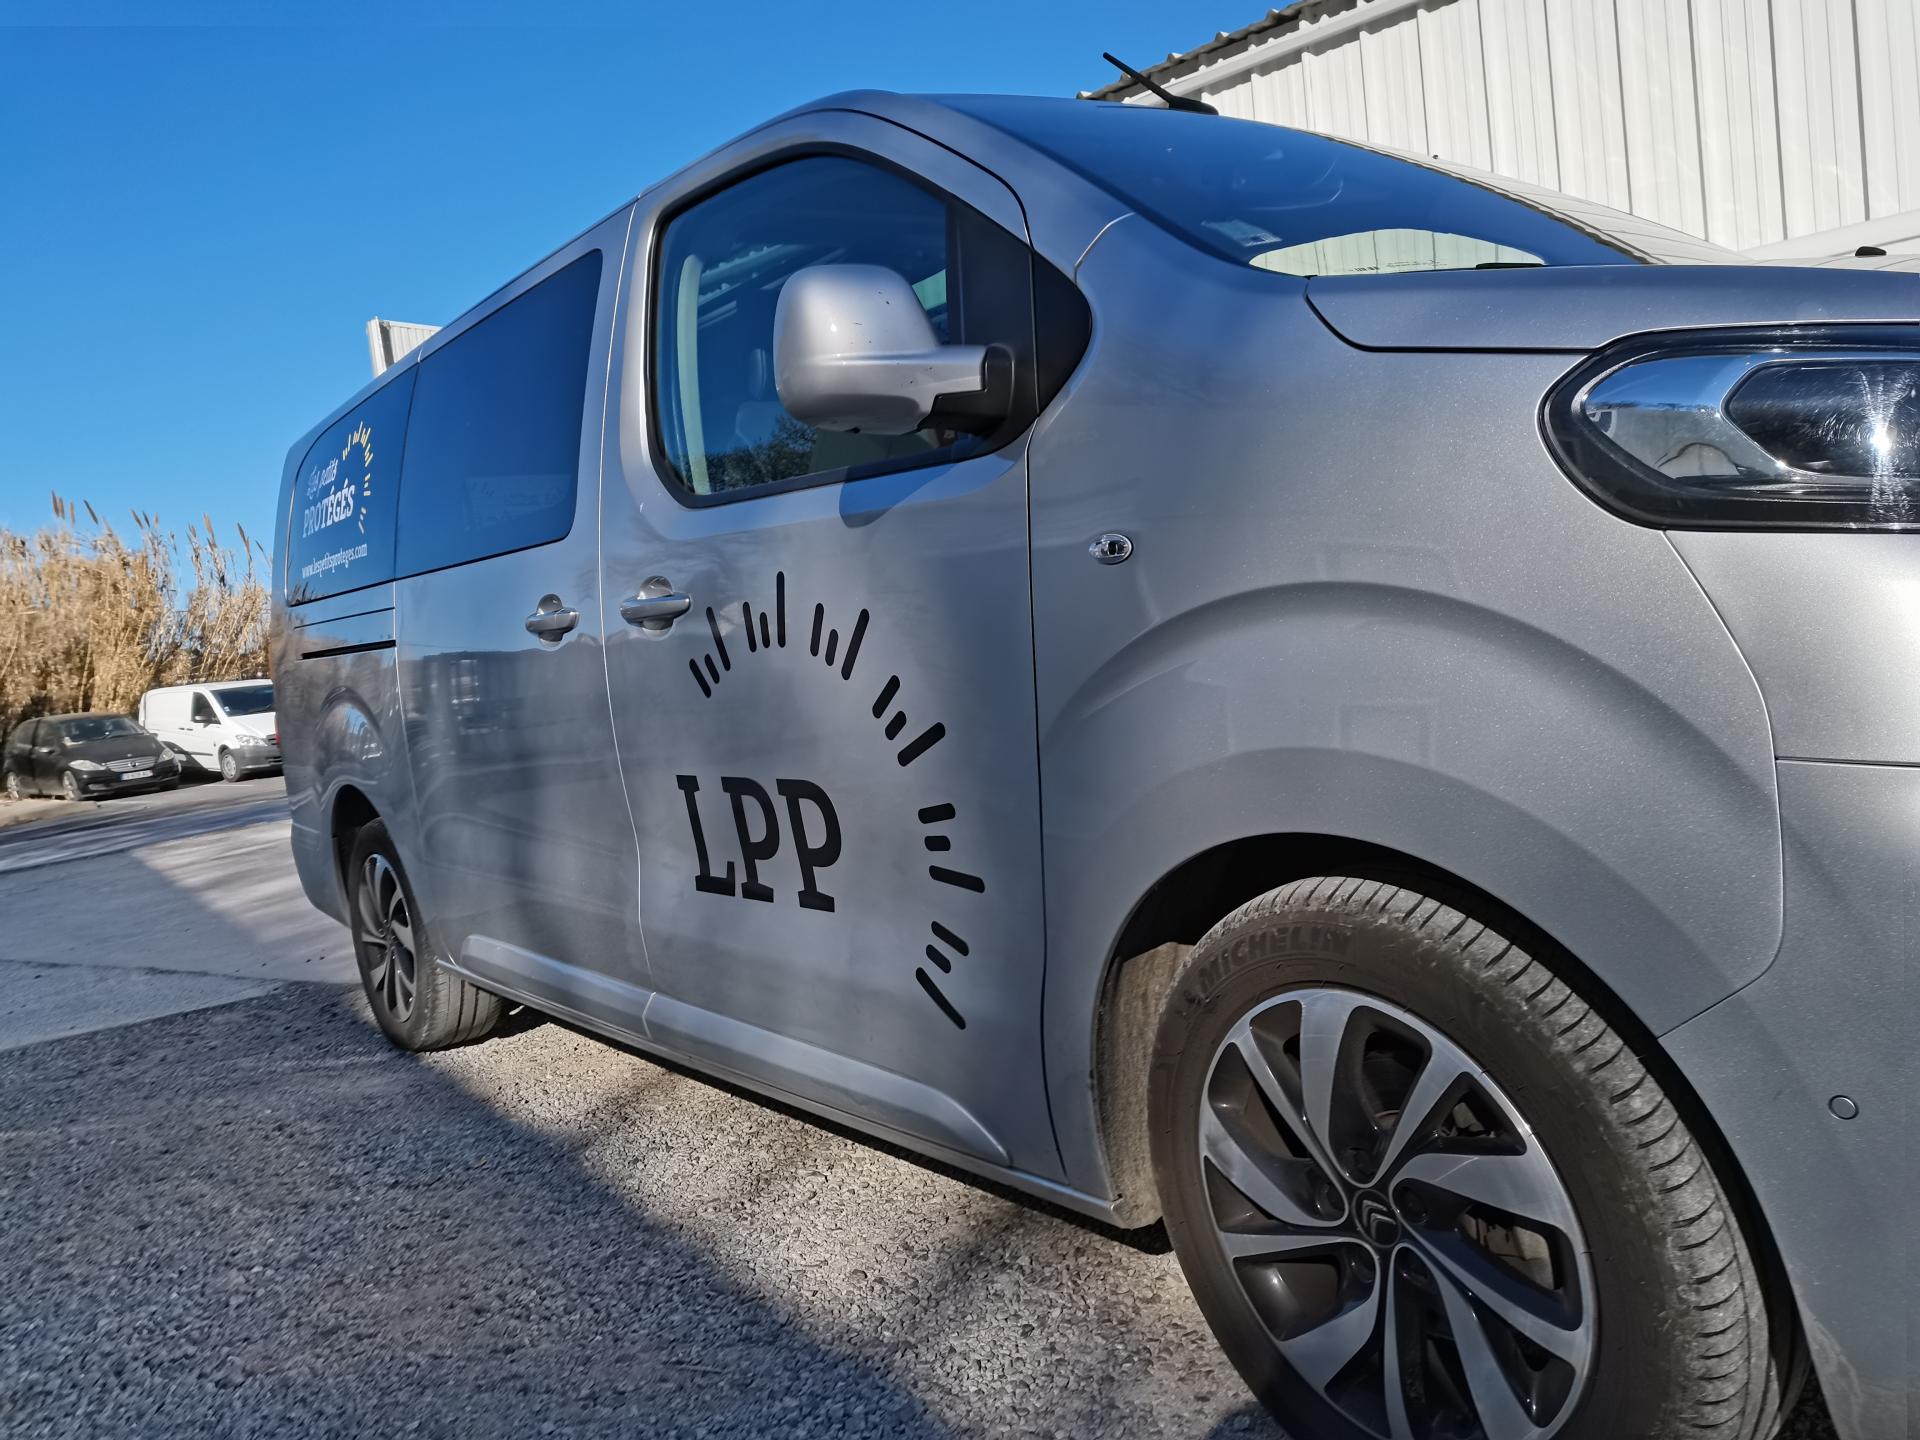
199,219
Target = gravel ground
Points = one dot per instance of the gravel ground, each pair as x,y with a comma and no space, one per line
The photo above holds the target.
261,1220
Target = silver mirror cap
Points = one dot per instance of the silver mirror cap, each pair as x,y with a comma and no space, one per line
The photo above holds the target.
853,350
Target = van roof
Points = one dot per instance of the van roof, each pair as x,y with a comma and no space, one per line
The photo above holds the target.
211,685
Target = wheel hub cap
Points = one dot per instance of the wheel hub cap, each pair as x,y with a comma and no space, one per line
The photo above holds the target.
383,934
1373,1217
1394,1223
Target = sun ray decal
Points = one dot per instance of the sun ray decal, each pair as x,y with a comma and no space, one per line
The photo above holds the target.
811,823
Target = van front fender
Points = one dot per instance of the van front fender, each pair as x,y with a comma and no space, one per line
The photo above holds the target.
1450,734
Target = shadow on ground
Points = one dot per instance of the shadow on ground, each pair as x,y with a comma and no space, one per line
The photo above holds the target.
261,1220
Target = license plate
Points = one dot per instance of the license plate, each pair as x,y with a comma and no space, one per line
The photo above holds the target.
137,775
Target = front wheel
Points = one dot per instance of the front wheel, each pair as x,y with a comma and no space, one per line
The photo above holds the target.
70,786
418,1004
230,770
1421,1187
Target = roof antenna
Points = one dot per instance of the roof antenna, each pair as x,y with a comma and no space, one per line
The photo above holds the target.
1174,102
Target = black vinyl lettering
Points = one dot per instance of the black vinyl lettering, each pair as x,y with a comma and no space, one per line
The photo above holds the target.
752,851
813,857
706,881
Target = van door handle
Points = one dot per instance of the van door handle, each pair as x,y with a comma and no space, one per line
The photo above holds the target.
552,620
657,605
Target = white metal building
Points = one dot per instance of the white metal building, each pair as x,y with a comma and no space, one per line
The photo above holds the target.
1784,128
388,340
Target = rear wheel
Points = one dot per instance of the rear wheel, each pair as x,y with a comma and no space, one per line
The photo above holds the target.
1421,1187
14,790
418,1004
230,770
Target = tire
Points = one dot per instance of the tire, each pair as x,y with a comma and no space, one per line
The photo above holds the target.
15,790
419,1004
70,786
230,770
1629,1267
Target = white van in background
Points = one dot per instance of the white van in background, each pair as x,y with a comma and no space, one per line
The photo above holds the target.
227,726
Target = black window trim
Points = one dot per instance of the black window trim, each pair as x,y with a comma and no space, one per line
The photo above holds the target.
586,393
663,467
439,341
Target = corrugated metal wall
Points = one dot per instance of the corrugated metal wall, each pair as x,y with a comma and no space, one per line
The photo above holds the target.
1783,126
388,340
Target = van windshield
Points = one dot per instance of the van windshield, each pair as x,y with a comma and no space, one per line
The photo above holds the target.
83,728
246,699
1304,204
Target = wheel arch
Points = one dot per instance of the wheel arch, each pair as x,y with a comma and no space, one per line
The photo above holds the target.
1179,908
350,813
1177,911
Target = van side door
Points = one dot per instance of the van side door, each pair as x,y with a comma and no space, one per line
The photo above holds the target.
830,755
200,737
524,853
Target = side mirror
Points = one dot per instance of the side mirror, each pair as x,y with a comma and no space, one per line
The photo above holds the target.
852,350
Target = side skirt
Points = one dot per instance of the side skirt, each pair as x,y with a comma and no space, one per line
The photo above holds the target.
861,1097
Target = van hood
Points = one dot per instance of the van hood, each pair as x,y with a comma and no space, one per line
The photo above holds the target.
1578,308
266,724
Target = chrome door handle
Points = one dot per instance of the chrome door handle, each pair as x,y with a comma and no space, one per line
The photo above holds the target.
552,620
657,605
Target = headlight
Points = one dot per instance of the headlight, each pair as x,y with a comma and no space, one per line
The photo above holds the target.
86,765
1814,429
250,741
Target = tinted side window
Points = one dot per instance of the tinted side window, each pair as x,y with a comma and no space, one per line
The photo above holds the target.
493,449
202,709
340,534
722,263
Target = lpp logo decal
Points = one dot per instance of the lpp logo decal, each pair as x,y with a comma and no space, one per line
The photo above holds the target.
759,837
799,817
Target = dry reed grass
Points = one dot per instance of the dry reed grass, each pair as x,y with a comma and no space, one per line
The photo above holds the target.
91,618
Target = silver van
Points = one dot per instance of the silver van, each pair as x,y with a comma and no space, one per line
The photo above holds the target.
1210,674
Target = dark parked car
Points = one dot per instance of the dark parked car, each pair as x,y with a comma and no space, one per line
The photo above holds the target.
84,757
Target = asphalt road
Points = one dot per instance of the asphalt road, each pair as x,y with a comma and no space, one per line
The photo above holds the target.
63,830
231,1209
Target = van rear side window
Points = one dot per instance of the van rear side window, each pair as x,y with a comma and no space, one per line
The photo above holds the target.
493,449
340,534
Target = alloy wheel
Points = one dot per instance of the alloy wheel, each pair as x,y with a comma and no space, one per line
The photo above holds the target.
70,785
383,931
14,792
1394,1223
